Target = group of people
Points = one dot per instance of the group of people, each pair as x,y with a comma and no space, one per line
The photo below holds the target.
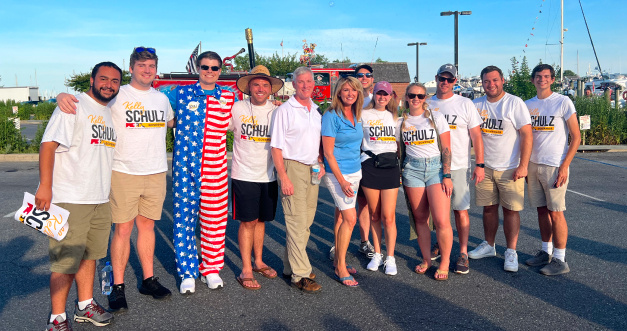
103,158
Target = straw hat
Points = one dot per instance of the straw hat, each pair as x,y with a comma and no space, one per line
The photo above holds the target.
258,71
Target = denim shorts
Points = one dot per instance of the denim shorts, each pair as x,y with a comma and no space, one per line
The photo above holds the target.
422,172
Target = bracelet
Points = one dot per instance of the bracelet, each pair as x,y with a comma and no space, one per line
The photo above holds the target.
446,176
480,165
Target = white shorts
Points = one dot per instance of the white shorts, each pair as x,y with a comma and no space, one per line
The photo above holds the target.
342,202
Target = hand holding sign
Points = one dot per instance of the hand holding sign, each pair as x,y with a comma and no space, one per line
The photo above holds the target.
52,222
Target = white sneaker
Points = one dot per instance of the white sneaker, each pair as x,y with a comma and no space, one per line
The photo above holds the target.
188,285
511,260
375,262
332,253
483,250
390,266
213,281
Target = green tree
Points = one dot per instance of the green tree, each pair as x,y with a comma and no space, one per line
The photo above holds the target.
379,60
320,59
568,73
519,83
346,60
277,65
80,82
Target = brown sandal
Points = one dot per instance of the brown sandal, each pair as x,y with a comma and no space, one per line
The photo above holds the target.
241,281
265,271
439,273
422,268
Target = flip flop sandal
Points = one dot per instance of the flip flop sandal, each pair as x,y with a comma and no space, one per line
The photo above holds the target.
351,270
441,272
343,279
265,271
422,268
241,281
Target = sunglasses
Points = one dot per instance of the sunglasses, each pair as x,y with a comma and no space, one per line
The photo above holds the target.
444,79
361,75
144,49
383,93
213,68
413,96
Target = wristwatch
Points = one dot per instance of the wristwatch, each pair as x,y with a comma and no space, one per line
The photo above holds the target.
446,176
480,165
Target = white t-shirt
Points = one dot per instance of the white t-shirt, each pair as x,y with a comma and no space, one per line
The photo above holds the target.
252,160
550,132
83,160
295,131
367,99
379,132
501,122
461,115
140,118
419,137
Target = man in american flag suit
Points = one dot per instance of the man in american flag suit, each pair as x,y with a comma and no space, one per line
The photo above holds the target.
199,171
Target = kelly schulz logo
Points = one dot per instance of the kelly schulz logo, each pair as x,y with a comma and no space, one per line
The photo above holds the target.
101,133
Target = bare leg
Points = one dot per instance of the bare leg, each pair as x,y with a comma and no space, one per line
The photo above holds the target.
120,249
420,209
363,212
349,218
245,238
545,224
60,285
373,198
490,223
440,205
85,279
511,227
146,244
462,223
388,218
560,229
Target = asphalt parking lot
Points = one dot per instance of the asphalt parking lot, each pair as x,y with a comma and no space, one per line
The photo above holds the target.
593,296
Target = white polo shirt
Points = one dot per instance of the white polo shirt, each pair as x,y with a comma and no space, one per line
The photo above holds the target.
296,131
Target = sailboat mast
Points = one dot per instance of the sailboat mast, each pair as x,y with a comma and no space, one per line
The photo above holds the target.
562,46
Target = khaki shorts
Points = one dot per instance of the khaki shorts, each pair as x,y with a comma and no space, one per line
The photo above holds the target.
133,195
542,192
498,187
87,237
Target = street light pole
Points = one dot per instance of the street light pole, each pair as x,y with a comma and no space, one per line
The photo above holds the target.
417,44
456,14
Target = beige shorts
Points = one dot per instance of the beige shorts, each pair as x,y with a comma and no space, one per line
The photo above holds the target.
542,191
133,195
87,237
498,187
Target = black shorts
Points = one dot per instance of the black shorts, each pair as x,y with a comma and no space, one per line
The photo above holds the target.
253,200
377,178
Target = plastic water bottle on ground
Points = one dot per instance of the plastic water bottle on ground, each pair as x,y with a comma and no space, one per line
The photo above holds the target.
106,279
315,172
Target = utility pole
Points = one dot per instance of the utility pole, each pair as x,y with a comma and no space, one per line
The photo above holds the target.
456,14
417,44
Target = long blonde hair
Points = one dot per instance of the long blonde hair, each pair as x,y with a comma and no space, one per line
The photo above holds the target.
425,106
392,106
338,107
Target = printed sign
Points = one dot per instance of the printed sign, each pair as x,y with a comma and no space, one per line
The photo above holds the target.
52,223
584,122
14,109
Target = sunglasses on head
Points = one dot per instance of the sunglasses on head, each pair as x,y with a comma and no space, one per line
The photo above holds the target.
144,49
361,75
213,68
383,93
413,96
444,79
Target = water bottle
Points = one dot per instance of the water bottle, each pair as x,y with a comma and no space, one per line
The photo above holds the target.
106,279
315,172
350,200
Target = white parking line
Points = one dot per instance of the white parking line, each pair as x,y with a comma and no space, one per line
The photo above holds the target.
327,203
585,195
10,214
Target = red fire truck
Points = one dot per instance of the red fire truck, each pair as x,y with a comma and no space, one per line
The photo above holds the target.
325,79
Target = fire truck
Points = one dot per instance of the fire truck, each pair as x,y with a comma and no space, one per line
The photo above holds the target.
325,79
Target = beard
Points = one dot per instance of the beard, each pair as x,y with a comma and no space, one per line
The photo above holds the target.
100,97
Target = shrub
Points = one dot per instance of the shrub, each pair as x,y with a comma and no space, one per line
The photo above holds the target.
608,125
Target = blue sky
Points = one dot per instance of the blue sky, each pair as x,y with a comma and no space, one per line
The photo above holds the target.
53,39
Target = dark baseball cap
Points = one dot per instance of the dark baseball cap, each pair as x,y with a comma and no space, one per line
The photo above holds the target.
448,68
363,66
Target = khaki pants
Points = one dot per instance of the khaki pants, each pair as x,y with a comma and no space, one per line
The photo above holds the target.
299,210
